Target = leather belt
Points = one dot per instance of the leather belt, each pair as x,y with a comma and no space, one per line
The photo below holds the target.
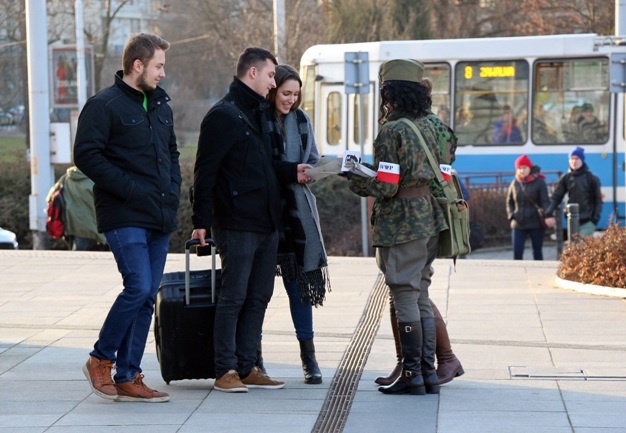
415,191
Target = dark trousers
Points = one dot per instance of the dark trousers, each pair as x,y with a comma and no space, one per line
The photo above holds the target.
405,266
248,262
536,238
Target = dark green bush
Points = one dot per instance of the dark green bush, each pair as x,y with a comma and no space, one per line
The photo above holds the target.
15,188
597,260
14,192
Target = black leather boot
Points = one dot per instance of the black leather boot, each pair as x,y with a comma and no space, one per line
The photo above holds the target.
312,373
431,381
259,358
395,373
410,380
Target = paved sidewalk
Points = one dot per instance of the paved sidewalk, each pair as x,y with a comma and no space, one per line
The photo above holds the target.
537,358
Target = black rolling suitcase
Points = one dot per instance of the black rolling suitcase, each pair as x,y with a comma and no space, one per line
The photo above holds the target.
184,317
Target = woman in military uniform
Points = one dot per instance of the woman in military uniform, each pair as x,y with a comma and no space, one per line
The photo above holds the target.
406,219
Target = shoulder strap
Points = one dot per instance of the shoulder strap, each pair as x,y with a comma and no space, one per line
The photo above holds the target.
527,196
447,188
233,107
433,164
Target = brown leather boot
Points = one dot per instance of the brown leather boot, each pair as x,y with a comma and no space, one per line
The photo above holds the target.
395,374
448,365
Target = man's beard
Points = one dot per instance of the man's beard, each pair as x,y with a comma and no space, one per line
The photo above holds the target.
142,84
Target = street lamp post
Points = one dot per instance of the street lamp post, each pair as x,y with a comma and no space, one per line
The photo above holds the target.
42,176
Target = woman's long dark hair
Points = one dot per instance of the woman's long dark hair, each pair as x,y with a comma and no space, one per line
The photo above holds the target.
406,98
284,73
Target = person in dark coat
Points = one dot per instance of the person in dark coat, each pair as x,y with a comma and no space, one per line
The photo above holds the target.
237,197
125,143
526,200
582,187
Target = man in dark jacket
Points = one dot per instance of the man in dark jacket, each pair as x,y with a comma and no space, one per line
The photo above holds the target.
237,197
125,143
582,187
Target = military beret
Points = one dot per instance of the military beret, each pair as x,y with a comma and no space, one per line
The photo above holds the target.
401,70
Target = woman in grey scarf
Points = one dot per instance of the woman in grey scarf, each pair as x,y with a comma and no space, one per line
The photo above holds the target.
302,260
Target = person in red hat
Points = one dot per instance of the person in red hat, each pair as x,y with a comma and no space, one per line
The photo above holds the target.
526,202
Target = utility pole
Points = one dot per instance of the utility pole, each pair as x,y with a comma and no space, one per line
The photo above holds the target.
279,31
81,78
39,125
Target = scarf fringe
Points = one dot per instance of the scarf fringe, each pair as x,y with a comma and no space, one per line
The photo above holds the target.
313,284
287,266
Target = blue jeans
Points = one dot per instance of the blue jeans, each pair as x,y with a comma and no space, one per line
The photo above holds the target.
140,255
248,270
301,313
536,238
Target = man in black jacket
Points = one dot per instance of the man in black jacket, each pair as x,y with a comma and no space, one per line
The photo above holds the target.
237,197
582,187
125,143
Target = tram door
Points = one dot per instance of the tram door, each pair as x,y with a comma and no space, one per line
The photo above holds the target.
354,123
332,133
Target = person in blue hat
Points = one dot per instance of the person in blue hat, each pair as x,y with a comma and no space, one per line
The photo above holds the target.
582,187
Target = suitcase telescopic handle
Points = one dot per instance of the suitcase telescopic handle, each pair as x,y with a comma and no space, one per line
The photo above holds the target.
196,243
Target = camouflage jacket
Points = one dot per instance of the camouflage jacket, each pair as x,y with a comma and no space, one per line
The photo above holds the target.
397,220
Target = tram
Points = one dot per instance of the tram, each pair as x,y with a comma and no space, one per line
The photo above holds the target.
554,92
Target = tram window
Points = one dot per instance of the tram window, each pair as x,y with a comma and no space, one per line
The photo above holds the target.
440,77
357,119
571,102
308,93
333,119
490,102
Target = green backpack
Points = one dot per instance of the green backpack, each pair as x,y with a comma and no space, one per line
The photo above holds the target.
454,241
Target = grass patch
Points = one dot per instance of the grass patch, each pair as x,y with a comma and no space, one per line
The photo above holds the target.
12,148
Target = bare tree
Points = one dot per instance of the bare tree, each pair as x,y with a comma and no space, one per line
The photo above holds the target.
12,52
207,37
472,18
351,21
98,34
408,20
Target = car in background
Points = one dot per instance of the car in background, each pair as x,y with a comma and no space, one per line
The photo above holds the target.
18,114
8,240
5,118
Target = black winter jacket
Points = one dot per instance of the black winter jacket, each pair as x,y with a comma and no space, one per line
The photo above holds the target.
582,187
236,180
521,212
132,157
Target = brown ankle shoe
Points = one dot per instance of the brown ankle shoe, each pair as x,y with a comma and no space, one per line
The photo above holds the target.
136,390
256,379
98,373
